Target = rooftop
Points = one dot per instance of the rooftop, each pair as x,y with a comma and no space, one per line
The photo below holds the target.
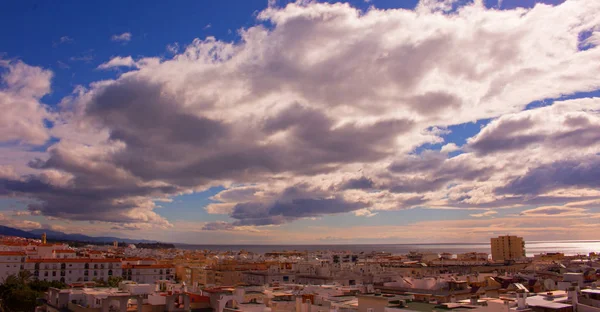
591,291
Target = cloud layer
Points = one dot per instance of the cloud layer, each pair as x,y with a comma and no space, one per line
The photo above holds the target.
328,110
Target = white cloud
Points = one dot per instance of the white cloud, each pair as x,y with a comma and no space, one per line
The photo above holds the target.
449,148
322,113
488,213
173,48
19,223
23,115
118,61
555,211
66,39
364,213
124,37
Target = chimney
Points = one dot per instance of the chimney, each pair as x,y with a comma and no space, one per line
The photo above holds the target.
474,300
521,299
572,295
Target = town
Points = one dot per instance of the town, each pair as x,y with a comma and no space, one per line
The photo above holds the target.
117,278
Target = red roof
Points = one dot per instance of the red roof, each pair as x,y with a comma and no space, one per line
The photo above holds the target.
194,298
139,259
12,253
148,266
74,260
64,251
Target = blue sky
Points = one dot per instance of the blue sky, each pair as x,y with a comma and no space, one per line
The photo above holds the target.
322,150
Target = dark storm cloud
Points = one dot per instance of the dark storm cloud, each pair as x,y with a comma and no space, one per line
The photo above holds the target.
427,161
286,211
431,171
432,103
362,183
504,137
293,203
167,143
582,173
517,200
83,202
512,134
313,135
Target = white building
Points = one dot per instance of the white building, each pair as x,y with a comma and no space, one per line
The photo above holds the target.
148,273
11,262
71,270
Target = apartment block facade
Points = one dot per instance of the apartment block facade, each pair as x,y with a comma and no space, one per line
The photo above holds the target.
507,248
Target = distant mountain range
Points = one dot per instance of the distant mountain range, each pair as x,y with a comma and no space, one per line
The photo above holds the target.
56,235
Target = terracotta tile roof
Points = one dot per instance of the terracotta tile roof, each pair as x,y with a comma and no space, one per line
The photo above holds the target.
148,266
71,260
12,253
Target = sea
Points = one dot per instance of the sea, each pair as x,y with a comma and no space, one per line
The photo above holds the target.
571,247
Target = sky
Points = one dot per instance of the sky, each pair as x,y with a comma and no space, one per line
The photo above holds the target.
301,122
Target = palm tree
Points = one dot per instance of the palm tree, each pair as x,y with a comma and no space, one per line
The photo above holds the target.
24,276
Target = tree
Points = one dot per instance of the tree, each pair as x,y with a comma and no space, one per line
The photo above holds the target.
20,293
113,281
24,276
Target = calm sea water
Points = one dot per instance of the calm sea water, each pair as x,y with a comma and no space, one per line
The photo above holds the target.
567,247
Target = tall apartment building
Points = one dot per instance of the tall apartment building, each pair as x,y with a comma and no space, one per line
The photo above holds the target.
71,270
11,262
507,248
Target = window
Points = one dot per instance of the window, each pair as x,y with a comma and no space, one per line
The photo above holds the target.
46,273
110,273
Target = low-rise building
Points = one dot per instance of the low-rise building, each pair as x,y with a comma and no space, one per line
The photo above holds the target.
148,273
